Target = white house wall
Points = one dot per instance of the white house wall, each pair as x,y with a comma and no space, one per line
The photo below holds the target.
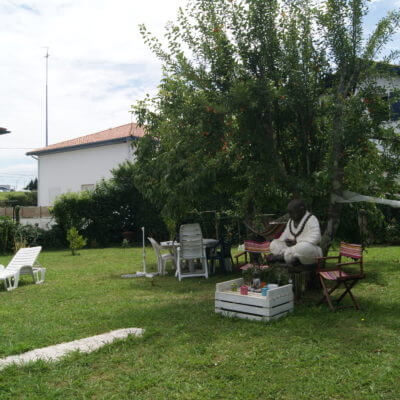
67,171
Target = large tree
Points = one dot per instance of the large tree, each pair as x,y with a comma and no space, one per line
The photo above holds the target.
262,100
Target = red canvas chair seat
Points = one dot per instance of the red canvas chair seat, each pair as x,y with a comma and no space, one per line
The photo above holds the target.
338,276
334,275
251,246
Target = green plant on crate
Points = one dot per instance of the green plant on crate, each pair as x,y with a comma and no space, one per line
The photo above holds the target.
76,241
252,271
265,273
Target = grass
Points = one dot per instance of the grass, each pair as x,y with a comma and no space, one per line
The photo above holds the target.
189,352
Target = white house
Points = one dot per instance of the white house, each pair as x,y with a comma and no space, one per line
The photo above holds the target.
78,164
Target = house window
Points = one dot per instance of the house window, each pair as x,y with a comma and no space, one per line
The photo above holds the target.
394,108
88,186
395,111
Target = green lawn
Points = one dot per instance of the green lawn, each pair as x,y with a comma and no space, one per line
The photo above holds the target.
188,352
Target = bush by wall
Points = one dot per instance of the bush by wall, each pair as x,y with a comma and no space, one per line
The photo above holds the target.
19,198
14,235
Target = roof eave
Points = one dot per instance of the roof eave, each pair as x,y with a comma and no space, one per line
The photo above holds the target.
81,146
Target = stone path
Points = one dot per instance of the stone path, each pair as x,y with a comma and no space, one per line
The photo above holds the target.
55,352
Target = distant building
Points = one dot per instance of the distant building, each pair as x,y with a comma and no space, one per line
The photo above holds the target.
5,188
78,164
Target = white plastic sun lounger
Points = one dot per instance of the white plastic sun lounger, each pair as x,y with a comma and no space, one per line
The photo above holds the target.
24,262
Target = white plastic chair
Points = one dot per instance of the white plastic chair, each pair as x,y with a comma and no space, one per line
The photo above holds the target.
191,248
161,258
24,262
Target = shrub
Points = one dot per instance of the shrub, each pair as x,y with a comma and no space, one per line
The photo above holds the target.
54,238
7,233
13,236
76,241
20,198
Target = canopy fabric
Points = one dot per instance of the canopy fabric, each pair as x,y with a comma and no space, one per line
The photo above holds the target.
351,197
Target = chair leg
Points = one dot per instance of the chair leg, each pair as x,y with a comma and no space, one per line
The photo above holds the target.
349,286
212,270
38,275
11,282
232,264
327,293
178,268
222,264
205,264
161,269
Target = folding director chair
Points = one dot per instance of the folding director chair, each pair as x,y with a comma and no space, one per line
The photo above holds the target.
253,247
339,277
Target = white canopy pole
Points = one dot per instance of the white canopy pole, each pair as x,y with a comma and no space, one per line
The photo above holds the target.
351,197
144,272
144,251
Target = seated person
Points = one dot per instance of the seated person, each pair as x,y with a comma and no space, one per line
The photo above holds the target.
299,241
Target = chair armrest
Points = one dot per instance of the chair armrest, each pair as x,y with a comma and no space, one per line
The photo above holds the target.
2,267
321,260
327,258
240,254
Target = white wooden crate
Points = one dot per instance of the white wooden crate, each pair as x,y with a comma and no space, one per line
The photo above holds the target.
277,303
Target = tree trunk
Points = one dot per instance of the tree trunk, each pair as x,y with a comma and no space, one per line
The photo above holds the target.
335,209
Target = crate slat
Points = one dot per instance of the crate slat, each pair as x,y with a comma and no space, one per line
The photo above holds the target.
250,316
263,311
277,303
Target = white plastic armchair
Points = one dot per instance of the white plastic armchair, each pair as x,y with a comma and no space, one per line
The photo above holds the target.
191,248
24,262
161,258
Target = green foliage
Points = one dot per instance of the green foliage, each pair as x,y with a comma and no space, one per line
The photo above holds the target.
76,241
115,206
32,185
264,100
72,209
14,236
19,198
54,238
7,233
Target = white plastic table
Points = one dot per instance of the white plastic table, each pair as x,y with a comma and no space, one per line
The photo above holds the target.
173,245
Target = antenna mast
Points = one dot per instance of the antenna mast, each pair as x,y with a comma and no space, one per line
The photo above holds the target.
47,74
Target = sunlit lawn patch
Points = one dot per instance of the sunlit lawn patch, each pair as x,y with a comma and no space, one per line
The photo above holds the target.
188,352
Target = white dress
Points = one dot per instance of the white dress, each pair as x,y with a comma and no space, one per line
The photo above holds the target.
306,250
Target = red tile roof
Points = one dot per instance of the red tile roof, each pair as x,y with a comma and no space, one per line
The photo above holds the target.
120,133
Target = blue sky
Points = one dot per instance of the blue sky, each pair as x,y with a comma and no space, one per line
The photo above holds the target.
98,67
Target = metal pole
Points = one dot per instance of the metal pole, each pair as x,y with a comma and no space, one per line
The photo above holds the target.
144,252
47,73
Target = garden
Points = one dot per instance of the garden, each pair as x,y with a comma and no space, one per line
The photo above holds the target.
188,351
260,102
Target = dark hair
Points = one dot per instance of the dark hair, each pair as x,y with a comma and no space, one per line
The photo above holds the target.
297,203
